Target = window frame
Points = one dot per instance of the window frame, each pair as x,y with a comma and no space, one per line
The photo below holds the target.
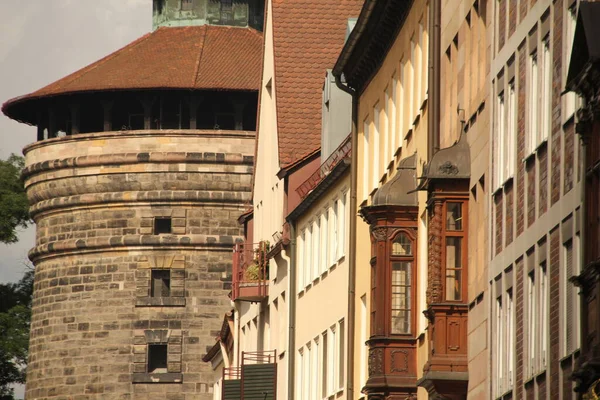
463,235
411,259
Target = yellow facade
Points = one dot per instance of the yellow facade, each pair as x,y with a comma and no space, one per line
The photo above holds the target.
392,125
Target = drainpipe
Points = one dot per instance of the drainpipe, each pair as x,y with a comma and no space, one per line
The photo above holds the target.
352,240
292,313
433,112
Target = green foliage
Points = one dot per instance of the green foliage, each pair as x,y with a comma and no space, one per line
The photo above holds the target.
253,273
14,207
15,317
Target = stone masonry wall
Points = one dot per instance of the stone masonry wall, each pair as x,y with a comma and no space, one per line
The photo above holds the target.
95,198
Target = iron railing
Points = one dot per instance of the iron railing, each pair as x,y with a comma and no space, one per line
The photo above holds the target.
343,151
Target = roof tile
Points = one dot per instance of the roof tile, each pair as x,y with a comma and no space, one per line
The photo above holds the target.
196,57
307,38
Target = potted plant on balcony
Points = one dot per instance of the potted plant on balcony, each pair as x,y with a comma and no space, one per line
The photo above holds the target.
257,269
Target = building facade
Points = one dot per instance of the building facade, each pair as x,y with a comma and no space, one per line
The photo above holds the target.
535,222
136,183
582,78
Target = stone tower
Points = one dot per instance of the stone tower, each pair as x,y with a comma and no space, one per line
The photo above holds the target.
142,165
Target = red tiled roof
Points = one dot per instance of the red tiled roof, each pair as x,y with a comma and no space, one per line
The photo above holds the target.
196,57
307,38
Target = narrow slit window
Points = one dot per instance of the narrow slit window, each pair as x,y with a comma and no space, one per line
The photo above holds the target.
161,283
162,225
157,358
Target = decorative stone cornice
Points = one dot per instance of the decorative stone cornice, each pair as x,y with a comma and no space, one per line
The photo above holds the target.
190,133
129,243
104,160
205,197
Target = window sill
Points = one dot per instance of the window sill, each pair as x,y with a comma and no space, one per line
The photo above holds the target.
569,356
505,394
534,377
160,302
503,185
543,144
146,377
568,120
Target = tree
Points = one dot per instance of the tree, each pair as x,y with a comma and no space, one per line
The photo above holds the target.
15,317
14,207
15,298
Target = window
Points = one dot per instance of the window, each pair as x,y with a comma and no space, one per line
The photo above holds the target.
366,159
186,5
318,368
386,127
411,83
162,225
300,269
531,321
331,356
532,133
543,315
499,143
333,251
510,134
341,232
510,335
341,351
316,236
401,123
324,262
402,263
571,315
500,350
538,319
376,148
308,255
161,283
570,22
455,254
504,341
157,358
363,340
393,110
326,357
299,374
308,371
546,92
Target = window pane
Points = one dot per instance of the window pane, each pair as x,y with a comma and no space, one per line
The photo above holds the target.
402,246
401,297
453,268
454,217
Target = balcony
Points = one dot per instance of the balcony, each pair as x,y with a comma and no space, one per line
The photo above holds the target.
256,379
232,383
250,272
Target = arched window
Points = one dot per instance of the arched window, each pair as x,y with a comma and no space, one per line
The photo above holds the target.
401,260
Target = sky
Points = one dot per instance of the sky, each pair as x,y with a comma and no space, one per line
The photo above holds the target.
42,41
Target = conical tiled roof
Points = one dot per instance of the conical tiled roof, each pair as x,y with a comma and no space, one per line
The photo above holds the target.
194,58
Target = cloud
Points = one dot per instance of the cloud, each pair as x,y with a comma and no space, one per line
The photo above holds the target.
42,41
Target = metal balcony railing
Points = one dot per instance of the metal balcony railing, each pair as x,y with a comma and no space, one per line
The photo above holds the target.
250,272
343,151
